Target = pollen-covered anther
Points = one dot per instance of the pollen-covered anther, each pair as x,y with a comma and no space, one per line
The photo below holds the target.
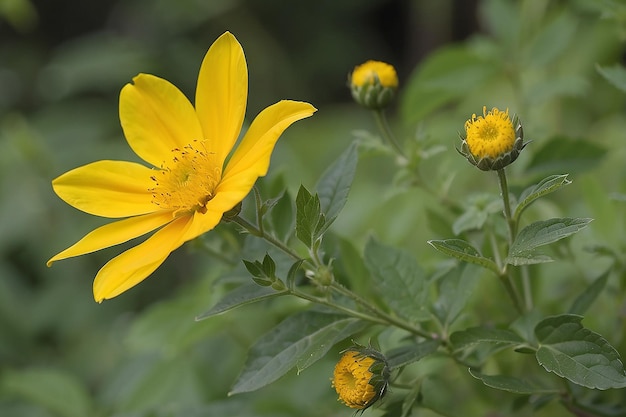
187,182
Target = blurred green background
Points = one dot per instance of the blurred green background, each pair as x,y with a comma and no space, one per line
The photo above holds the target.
62,65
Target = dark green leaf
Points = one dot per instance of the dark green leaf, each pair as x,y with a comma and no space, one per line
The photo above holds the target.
539,234
587,297
309,218
300,340
281,216
455,289
543,187
334,185
510,384
398,279
462,250
405,355
578,354
562,154
475,335
245,294
615,74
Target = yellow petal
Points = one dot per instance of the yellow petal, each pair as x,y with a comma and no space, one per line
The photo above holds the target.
107,188
252,157
156,118
113,234
202,223
133,266
221,94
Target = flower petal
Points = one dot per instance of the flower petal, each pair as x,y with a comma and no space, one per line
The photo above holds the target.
107,188
202,223
113,234
156,117
133,266
252,157
222,93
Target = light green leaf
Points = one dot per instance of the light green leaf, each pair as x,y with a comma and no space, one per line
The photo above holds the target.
334,185
543,187
587,297
615,74
578,354
309,218
455,289
398,279
476,335
245,294
280,216
510,384
539,234
408,354
564,154
462,250
298,341
57,391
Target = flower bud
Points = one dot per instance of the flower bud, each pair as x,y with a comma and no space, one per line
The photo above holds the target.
373,84
361,377
492,141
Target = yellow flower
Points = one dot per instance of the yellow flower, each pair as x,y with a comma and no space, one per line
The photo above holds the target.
195,176
360,377
492,141
375,71
373,84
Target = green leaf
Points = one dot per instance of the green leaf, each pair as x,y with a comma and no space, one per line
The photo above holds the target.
539,234
615,74
587,297
405,355
563,154
245,294
476,335
510,384
455,289
281,216
57,391
334,185
399,280
578,354
543,187
462,250
309,218
298,341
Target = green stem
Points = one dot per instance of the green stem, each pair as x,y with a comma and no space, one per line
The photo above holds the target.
256,231
383,126
504,188
528,294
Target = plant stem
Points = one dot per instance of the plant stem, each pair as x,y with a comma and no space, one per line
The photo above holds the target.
256,231
504,189
383,126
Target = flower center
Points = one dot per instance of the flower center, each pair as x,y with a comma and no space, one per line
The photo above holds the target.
490,135
187,182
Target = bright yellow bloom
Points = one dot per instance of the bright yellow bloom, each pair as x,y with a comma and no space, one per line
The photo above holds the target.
361,377
493,140
373,84
373,71
189,185
491,134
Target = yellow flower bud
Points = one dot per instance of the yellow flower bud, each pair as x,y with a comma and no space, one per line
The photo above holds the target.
373,84
492,141
361,377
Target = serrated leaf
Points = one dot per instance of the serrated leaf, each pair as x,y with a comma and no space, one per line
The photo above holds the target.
475,335
309,218
398,279
334,185
578,354
543,187
587,297
245,294
298,341
615,74
405,355
542,233
462,250
510,384
57,391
